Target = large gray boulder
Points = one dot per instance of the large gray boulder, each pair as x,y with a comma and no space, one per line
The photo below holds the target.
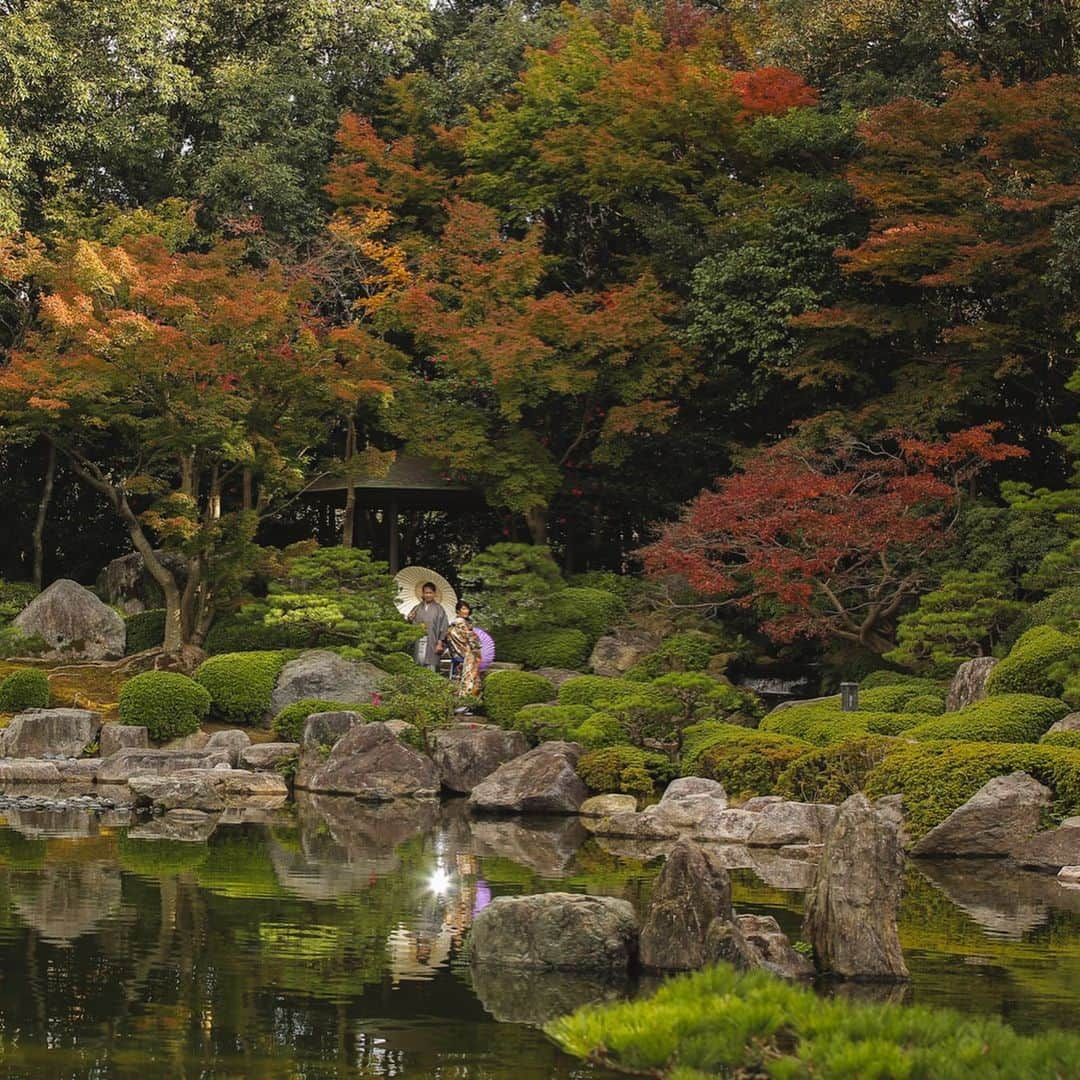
1052,849
542,781
556,931
45,733
467,753
602,806
74,623
616,654
268,757
784,823
969,682
209,790
1071,722
370,763
323,674
851,908
770,948
126,583
688,895
1004,812
28,771
688,801
114,737
120,767
233,740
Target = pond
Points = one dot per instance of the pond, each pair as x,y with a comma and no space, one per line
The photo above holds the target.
326,940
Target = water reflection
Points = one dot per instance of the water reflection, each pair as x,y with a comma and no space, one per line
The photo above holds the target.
327,941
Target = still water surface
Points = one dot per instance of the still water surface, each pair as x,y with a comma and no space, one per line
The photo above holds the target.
326,941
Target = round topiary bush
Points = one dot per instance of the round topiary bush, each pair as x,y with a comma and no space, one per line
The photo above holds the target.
1005,718
830,774
592,611
288,725
1027,668
625,769
27,688
591,689
144,630
544,722
929,704
168,704
746,761
241,684
506,693
545,647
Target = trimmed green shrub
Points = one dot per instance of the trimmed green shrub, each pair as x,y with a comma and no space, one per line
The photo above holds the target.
1061,738
1026,670
746,761
824,724
241,633
689,651
241,684
506,693
706,698
14,643
145,630
512,584
592,611
27,688
937,777
418,696
1013,718
546,646
591,689
625,769
544,722
885,677
288,725
832,773
396,663
719,1022
928,704
601,729
169,704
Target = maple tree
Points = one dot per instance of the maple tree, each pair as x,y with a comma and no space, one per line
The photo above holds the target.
186,388
826,542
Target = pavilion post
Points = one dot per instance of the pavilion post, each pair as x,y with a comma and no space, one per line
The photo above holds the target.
394,546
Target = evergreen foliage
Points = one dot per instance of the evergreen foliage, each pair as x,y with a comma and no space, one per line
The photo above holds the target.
240,684
506,693
169,705
27,688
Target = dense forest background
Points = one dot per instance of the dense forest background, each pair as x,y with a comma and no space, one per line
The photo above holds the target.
590,258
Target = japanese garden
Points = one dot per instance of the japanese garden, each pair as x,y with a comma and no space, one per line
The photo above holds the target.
540,540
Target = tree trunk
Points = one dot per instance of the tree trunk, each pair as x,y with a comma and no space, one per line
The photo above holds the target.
537,521
42,515
350,488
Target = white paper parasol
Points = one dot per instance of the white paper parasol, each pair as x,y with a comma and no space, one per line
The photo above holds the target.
411,580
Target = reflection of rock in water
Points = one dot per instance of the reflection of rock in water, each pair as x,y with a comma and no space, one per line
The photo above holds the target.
1002,899
345,843
868,992
546,846
68,823
535,997
66,900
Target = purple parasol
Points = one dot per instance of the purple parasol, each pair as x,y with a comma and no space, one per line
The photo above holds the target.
487,647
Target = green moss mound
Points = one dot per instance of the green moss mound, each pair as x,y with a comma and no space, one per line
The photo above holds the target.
885,677
719,1022
927,704
831,773
592,611
25,689
543,722
823,725
506,693
937,777
1026,670
1015,718
241,684
626,769
168,704
145,630
746,761
545,647
689,651
288,725
241,634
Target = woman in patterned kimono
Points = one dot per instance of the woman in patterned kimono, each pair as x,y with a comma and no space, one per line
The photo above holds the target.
465,646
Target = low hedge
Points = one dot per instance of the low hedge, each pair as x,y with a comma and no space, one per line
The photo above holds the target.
241,684
937,777
544,722
1061,738
592,689
885,677
288,725
1015,718
1026,670
547,646
27,688
720,1022
746,761
823,725
831,773
506,693
626,769
168,704
927,704
144,630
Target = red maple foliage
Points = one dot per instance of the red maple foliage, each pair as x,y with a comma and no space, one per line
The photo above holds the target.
829,543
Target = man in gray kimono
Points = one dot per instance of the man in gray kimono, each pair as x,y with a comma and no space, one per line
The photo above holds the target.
431,614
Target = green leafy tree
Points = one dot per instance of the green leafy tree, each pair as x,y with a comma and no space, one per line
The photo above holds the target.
510,584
